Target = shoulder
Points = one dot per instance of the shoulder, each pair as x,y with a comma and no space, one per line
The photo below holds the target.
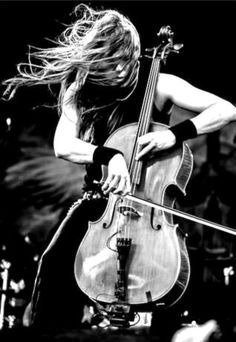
167,83
173,89
166,86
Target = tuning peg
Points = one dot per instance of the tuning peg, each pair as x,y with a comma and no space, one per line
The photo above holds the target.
152,51
177,47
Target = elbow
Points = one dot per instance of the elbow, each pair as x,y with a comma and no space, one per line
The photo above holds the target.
227,111
60,149
58,154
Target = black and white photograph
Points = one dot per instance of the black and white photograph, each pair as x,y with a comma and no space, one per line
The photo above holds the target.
118,171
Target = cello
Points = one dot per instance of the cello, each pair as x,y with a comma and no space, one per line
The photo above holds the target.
134,256
140,258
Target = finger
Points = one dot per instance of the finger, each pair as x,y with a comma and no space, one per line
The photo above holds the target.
113,184
127,189
128,186
121,186
145,150
144,140
107,182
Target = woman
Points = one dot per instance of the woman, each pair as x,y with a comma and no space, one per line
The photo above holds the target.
96,63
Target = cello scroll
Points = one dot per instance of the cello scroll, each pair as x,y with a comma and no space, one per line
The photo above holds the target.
166,45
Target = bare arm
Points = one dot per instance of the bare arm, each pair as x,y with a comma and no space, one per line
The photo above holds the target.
212,111
66,143
69,147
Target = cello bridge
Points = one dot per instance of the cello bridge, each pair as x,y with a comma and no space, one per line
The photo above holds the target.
127,210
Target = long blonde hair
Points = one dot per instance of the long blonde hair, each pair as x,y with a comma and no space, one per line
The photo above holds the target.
90,50
94,38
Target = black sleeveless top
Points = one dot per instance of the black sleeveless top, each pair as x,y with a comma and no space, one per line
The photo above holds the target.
129,111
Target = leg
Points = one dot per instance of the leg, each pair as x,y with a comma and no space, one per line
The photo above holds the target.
57,302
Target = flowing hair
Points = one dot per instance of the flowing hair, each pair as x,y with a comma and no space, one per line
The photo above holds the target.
90,49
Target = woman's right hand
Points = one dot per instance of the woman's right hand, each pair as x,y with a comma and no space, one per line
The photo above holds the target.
118,179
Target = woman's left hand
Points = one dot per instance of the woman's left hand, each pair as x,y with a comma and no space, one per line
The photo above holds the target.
155,141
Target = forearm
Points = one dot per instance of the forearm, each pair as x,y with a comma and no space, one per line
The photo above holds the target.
214,117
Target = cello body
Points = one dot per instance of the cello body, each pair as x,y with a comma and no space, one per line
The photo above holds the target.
155,268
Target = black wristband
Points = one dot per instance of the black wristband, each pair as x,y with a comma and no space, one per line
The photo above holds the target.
183,131
102,155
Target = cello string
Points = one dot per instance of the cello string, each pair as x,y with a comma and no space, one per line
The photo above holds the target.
123,225
144,120
133,166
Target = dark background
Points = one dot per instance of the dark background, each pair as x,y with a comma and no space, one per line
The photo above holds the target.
207,29
37,189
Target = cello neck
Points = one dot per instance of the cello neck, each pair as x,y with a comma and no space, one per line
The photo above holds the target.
159,53
146,110
135,167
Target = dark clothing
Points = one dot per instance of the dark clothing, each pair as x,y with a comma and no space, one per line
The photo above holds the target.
57,300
